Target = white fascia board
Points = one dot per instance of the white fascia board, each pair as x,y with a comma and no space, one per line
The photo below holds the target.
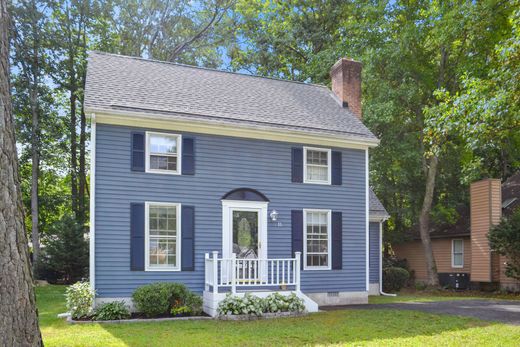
224,128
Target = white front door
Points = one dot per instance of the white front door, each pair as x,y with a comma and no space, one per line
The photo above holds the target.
244,229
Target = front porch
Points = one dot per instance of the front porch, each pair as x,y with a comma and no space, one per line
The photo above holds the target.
259,277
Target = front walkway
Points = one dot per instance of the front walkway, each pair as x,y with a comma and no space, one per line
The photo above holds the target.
504,311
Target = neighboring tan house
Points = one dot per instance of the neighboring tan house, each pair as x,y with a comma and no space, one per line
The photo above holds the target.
462,250
228,182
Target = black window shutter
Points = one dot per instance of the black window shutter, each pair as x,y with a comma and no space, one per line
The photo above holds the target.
137,236
138,153
336,168
297,232
187,235
188,156
297,164
337,240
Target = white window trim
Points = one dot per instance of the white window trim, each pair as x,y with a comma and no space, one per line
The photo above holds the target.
329,240
179,154
329,165
453,253
147,236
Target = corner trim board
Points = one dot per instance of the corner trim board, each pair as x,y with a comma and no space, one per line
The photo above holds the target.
92,233
367,222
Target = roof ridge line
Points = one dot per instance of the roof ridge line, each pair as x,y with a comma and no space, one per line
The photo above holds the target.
205,68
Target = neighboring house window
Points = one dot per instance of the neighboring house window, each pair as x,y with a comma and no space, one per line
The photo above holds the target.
457,256
162,233
317,165
317,229
163,152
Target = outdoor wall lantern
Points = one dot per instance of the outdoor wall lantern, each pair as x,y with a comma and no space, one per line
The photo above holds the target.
274,215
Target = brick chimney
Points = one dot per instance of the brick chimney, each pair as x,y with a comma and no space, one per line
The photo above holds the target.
485,211
346,84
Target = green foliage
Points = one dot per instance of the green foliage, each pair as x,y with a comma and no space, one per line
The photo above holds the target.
194,303
419,285
235,305
65,255
80,298
159,298
505,239
277,302
178,311
114,310
394,279
253,305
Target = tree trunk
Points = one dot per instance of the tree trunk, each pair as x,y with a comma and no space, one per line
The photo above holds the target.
18,314
424,222
35,234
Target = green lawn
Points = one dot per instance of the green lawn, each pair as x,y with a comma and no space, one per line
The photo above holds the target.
340,328
440,295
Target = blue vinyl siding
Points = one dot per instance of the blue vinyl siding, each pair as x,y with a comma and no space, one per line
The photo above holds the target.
375,249
222,164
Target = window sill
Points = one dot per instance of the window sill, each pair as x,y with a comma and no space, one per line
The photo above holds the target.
168,269
316,268
163,172
323,183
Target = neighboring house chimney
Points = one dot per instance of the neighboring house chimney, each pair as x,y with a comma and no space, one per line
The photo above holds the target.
346,84
486,211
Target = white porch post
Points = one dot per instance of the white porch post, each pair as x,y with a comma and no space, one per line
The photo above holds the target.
206,270
233,273
298,255
215,274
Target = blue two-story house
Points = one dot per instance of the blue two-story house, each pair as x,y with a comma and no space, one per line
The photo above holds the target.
229,182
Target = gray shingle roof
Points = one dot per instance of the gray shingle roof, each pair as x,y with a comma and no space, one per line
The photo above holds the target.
116,82
375,206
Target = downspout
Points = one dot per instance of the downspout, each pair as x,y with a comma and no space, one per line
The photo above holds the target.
381,260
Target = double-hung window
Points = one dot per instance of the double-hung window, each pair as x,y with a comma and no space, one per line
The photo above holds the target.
317,168
457,253
163,152
317,239
162,234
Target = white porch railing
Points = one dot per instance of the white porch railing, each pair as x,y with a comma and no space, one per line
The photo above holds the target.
232,272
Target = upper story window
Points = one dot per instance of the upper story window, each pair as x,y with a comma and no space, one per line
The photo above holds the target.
317,168
163,153
317,239
457,256
162,236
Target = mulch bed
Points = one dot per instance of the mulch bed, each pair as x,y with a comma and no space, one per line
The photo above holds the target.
139,317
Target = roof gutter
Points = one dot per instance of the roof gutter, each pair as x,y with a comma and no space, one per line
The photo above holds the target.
174,117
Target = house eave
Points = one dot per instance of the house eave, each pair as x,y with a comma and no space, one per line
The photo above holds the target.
182,122
378,217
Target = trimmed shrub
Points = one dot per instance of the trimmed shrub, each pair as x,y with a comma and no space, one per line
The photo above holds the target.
80,298
114,310
235,305
250,304
277,302
159,298
194,303
394,279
